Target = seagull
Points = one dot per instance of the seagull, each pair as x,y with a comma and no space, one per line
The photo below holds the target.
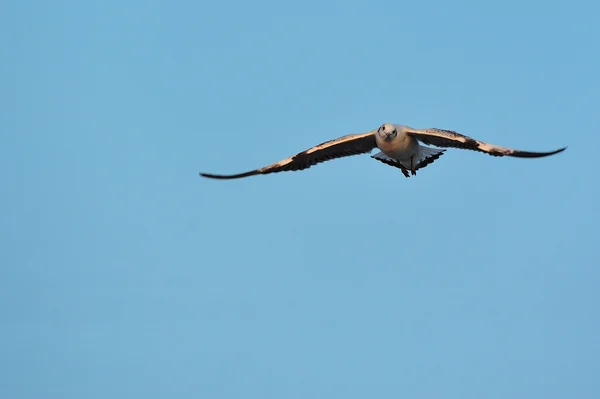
400,146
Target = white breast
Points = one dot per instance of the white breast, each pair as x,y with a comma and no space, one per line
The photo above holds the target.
402,147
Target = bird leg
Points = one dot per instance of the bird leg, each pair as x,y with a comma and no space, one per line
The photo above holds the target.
403,169
412,167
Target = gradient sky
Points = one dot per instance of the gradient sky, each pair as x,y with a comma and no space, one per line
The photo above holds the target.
126,275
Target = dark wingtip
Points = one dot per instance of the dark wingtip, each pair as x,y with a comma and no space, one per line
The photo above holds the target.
530,154
226,177
557,151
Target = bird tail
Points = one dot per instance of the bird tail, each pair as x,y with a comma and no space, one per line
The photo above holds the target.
380,156
426,156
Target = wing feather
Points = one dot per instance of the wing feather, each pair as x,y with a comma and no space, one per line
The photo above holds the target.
394,163
352,144
449,138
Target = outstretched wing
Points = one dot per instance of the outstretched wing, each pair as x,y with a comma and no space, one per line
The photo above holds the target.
352,144
448,138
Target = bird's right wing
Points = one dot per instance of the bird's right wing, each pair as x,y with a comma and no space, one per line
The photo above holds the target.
449,138
352,144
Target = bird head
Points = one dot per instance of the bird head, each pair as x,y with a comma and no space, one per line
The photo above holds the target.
387,131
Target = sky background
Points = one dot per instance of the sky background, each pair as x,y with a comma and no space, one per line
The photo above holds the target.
126,275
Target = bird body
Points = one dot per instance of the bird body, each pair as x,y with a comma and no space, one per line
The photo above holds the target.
400,146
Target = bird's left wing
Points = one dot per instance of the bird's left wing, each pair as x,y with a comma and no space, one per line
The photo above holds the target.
449,138
352,144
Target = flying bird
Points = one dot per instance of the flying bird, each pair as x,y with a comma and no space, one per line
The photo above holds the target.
400,146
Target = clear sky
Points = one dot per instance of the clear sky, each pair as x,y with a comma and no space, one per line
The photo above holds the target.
126,275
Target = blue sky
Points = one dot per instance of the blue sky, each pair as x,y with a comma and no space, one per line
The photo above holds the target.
124,274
